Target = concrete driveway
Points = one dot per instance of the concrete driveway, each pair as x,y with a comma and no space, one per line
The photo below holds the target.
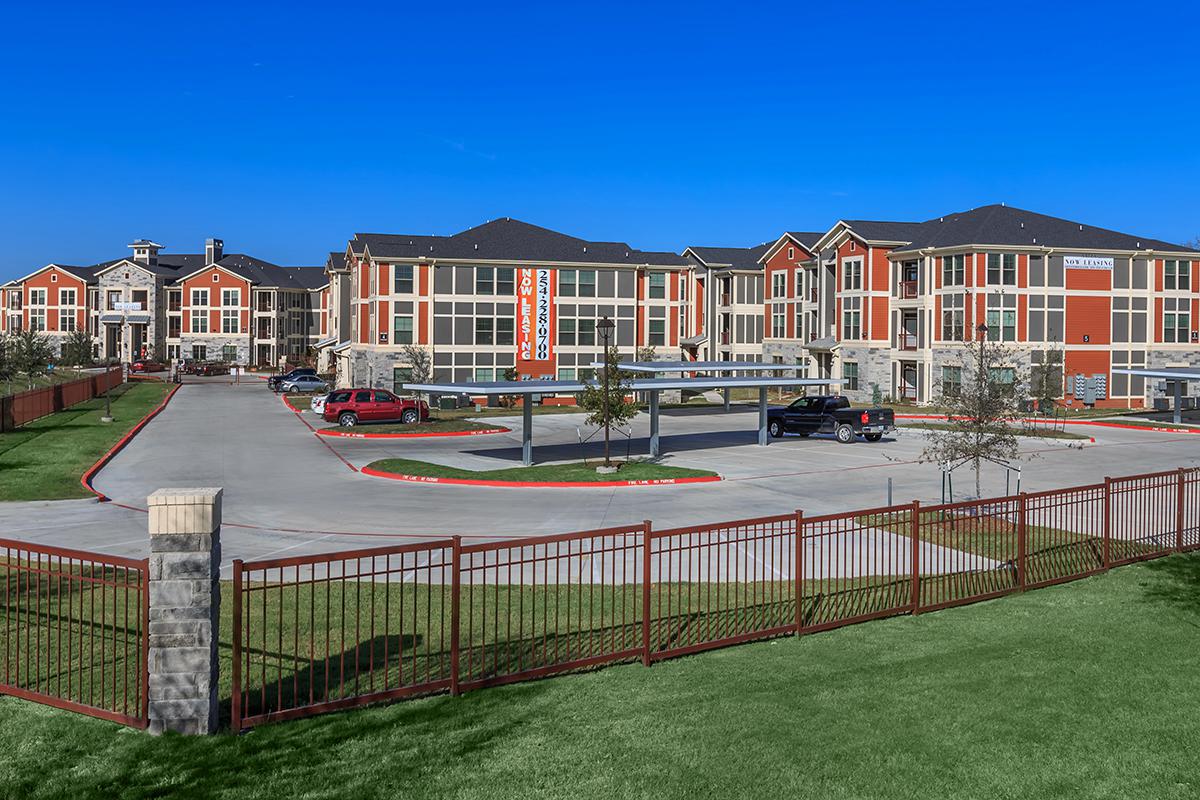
289,491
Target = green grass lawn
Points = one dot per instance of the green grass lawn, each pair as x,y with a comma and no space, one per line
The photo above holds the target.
1082,690
20,384
45,459
579,471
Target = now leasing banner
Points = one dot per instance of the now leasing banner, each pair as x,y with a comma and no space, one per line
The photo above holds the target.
1087,262
535,322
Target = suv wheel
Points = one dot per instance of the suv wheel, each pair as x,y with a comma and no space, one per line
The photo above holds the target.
409,416
844,434
775,429
347,420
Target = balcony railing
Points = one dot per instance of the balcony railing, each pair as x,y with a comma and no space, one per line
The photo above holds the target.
908,290
908,392
725,338
813,296
908,341
725,298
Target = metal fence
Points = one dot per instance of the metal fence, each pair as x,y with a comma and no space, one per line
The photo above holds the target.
75,630
317,633
19,409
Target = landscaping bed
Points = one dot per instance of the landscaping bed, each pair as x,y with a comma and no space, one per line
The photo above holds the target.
575,474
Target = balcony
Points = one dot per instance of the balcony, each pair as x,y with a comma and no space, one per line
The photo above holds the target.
813,295
725,299
908,341
908,290
725,337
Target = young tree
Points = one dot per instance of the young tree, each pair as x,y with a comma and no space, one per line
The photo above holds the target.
77,349
607,399
31,354
7,368
511,375
647,353
981,409
421,365
1046,379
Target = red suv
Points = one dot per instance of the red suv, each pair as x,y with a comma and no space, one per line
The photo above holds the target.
348,407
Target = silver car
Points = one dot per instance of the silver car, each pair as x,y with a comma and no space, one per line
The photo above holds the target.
304,383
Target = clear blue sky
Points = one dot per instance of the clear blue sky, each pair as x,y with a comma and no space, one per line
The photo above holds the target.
285,128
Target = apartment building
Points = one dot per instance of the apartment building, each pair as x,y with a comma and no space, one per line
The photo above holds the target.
208,305
729,296
333,345
791,314
505,295
898,299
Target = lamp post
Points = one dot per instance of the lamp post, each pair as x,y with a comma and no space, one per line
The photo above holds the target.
605,327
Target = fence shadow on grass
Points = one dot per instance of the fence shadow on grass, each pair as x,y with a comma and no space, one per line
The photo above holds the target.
1176,582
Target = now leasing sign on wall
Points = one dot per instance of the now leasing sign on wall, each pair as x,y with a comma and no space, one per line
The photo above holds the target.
535,322
1087,262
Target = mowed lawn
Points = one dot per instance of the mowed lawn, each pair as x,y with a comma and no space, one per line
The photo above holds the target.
45,459
1087,689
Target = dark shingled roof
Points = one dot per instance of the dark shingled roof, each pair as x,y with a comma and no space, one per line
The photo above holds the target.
807,238
86,274
336,261
1005,225
735,257
509,240
308,277
880,231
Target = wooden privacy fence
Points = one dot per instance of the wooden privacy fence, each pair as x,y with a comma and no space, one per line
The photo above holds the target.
74,630
18,409
325,632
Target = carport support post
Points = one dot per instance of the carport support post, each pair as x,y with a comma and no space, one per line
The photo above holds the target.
654,423
1178,401
527,429
762,415
725,392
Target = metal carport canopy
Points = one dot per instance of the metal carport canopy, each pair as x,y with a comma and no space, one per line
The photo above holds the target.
652,385
1177,374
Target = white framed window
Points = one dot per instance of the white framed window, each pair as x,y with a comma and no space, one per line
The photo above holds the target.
851,324
1002,269
230,322
231,298
1177,274
200,298
403,280
66,297
37,297
791,254
566,373
1002,318
800,283
1176,325
850,375
402,329
656,285
199,322
778,321
66,320
658,332
952,317
852,274
485,374
37,319
778,284
954,270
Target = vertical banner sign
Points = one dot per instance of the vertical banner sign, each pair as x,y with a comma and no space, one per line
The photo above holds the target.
535,322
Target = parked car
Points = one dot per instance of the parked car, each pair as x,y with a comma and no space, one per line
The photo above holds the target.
211,368
318,404
304,383
144,365
348,407
832,414
275,381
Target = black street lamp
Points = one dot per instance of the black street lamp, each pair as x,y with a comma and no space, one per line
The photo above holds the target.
605,327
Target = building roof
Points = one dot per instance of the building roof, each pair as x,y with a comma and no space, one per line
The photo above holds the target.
807,238
882,231
335,262
308,277
730,257
509,240
1005,225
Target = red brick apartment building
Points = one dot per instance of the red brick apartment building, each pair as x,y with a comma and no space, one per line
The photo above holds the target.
895,300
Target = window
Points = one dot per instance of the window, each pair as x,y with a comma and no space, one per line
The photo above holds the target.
777,324
952,317
951,381
852,274
199,322
200,297
230,322
362,397
1002,325
485,374
506,280
173,327
1002,269
658,334
484,330
404,278
566,373
231,298
587,331
402,330
37,297
505,331
229,352
1177,274
37,319
66,320
401,376
66,297
799,283
566,282
850,375
566,331
172,351
174,301
587,283
953,270
1002,379
1176,326
791,253
778,284
657,285
200,352
111,298
851,324
142,298
485,280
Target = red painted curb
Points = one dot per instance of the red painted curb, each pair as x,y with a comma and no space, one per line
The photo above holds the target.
397,476
344,435
1095,423
86,479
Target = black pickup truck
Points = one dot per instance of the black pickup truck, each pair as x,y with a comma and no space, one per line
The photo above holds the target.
830,415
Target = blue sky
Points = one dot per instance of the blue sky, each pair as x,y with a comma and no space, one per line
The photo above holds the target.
285,128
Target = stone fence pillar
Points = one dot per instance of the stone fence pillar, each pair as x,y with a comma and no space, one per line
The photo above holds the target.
185,606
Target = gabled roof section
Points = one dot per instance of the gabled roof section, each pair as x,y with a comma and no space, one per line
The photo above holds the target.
509,240
85,274
870,232
161,268
744,258
336,262
806,241
264,274
1005,225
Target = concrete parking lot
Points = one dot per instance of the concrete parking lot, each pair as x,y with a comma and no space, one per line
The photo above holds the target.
288,491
